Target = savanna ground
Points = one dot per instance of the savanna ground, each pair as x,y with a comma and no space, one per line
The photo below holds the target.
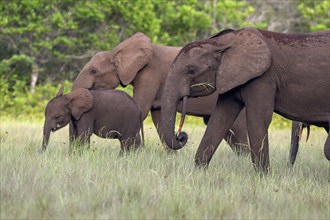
153,184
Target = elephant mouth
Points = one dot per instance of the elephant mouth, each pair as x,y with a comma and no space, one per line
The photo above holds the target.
101,86
58,126
93,87
202,89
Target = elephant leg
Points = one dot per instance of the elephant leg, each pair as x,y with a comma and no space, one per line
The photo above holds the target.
127,142
84,139
78,135
295,129
72,132
155,116
124,145
236,137
327,147
137,141
84,132
258,120
222,119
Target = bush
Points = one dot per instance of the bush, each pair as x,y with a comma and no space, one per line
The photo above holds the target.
18,103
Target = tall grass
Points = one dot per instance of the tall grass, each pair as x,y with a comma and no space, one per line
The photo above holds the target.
152,183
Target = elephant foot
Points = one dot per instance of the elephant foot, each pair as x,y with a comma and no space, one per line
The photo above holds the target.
241,149
201,164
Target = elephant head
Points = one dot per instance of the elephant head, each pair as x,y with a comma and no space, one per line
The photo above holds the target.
62,108
219,64
108,69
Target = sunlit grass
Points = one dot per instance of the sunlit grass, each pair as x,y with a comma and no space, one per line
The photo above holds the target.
152,183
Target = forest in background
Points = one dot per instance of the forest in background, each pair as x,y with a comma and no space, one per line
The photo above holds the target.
46,42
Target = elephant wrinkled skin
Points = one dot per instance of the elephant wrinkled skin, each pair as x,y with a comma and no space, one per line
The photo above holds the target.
260,70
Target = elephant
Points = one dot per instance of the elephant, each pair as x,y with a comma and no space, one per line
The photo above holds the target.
264,72
145,65
296,132
106,113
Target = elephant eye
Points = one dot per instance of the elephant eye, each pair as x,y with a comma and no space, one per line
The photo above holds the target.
190,71
93,71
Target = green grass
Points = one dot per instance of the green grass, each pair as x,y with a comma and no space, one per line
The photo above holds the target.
153,184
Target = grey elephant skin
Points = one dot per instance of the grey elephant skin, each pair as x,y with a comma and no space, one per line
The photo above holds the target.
260,70
106,113
145,65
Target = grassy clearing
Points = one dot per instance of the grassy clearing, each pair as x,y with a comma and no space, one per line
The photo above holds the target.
153,184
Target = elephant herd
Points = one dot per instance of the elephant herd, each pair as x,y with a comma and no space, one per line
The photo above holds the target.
234,80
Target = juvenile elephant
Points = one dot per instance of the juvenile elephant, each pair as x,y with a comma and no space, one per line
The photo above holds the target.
106,113
260,70
145,65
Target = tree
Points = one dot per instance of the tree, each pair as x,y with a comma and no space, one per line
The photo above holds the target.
42,40
315,15
46,36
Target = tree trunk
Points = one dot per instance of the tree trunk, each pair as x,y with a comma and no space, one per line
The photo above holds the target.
214,16
34,76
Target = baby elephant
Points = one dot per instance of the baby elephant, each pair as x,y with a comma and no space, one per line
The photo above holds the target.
106,113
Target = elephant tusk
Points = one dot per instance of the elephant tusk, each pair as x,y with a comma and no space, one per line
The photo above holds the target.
183,114
300,131
308,131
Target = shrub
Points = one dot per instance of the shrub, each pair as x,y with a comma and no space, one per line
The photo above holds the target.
17,102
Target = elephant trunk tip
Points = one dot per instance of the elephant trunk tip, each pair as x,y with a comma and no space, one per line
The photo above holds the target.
180,141
182,138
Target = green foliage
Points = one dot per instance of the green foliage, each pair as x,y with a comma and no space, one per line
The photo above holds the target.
58,37
182,21
18,103
63,35
280,122
233,14
315,14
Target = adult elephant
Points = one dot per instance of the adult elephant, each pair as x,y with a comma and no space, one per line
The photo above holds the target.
145,65
260,70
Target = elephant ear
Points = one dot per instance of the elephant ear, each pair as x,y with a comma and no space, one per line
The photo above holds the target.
245,55
80,101
131,56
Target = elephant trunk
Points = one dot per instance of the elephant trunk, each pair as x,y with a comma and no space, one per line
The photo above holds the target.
83,81
168,116
46,135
